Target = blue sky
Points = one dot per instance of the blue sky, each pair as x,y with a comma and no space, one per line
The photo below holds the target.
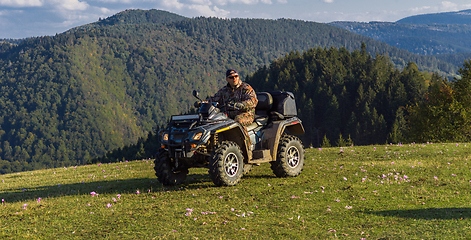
30,18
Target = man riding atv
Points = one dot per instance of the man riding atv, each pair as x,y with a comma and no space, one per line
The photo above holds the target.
241,96
230,147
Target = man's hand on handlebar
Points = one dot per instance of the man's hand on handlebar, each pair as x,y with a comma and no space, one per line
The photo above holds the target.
239,106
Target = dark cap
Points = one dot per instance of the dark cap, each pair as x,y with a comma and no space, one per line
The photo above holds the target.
230,72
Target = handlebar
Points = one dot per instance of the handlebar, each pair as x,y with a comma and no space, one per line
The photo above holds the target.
215,104
233,107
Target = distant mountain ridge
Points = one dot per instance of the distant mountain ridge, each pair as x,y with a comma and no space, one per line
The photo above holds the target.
428,34
427,39
460,17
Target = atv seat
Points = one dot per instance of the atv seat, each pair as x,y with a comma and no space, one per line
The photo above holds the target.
262,110
265,101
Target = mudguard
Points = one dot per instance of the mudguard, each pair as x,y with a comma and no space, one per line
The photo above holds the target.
273,134
233,131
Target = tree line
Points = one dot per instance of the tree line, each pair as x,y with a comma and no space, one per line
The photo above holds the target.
344,95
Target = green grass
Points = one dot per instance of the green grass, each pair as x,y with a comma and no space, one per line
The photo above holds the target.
416,191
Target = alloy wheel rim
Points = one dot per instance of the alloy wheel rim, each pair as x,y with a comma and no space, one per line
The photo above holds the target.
293,157
231,164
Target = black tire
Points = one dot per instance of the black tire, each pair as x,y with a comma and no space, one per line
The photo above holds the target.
290,158
227,164
164,170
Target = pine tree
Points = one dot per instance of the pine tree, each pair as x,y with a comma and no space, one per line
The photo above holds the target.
326,142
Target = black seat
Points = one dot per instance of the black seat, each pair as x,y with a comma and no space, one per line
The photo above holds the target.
262,110
265,101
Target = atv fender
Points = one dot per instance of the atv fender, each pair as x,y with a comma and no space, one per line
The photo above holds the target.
236,134
274,134
294,127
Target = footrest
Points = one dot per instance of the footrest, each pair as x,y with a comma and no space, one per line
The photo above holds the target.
261,156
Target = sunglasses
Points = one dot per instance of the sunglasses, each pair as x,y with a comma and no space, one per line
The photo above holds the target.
232,77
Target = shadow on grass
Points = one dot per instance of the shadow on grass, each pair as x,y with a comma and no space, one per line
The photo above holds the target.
126,186
258,176
427,213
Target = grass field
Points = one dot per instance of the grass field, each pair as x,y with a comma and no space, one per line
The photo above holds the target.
410,191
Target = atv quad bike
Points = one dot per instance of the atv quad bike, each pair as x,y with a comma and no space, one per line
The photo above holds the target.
212,140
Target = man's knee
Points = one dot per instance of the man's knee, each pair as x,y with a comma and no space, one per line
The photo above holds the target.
243,120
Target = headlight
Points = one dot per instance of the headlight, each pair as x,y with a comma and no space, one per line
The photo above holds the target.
197,136
165,137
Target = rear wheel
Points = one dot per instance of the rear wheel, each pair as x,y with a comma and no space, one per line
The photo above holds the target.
227,164
164,170
290,158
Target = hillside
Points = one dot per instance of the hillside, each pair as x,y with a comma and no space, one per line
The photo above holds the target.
74,96
410,191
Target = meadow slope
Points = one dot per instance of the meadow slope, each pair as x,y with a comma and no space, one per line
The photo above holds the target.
414,191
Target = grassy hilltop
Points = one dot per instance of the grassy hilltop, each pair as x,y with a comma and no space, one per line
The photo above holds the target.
415,191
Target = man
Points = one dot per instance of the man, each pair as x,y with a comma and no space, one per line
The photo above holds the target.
241,95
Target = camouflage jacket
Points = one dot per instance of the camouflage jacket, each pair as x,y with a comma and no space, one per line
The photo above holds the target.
243,93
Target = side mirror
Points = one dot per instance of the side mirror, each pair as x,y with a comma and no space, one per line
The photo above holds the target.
196,95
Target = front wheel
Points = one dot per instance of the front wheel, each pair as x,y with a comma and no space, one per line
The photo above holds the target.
290,158
227,164
164,170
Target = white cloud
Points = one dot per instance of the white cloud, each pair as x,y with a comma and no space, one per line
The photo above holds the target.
201,2
221,12
103,10
204,10
220,2
198,7
328,1
71,5
417,10
209,7
225,2
248,2
173,4
448,6
64,4
21,3
72,19
115,1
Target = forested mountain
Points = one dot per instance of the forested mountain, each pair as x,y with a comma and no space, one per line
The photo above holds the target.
428,34
67,98
133,17
425,39
454,58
